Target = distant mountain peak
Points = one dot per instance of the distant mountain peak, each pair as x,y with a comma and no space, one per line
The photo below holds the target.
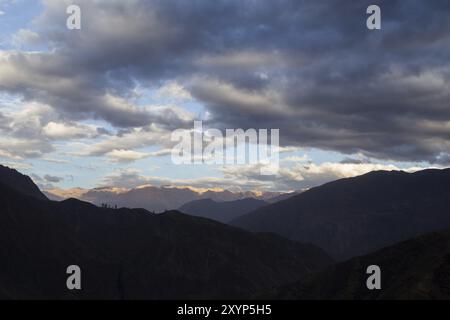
154,198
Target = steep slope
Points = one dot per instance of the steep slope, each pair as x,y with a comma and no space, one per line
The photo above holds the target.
283,196
133,254
414,269
221,211
358,215
20,182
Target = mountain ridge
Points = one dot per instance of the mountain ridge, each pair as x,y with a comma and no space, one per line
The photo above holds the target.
354,216
134,254
20,182
152,198
417,268
221,211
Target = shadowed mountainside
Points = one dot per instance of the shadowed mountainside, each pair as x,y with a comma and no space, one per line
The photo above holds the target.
355,216
221,211
283,196
19,182
415,269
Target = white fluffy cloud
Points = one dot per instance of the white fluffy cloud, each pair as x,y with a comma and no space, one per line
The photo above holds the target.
136,138
173,91
25,37
247,177
305,175
56,130
126,156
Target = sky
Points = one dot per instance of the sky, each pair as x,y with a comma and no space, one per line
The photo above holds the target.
97,106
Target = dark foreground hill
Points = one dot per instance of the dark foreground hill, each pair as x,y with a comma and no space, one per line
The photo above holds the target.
133,254
19,182
355,216
414,269
221,211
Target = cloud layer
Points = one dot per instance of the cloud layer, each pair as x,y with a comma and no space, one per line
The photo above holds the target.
311,69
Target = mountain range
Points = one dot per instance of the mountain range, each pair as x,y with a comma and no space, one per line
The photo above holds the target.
134,254
395,220
355,216
19,182
155,199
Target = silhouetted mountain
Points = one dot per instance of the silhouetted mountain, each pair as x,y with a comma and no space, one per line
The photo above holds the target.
129,254
355,216
414,269
221,211
20,182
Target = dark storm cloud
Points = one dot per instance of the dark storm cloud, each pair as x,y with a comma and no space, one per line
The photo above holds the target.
310,68
383,93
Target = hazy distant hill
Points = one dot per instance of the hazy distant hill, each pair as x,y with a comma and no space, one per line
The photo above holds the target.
358,215
415,269
221,211
157,199
135,254
151,198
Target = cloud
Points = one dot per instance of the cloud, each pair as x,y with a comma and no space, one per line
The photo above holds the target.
18,165
311,69
126,156
300,176
245,59
303,158
24,148
223,98
57,161
173,91
304,175
46,182
56,130
7,154
133,139
53,179
25,37
124,178
132,178
47,78
27,130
